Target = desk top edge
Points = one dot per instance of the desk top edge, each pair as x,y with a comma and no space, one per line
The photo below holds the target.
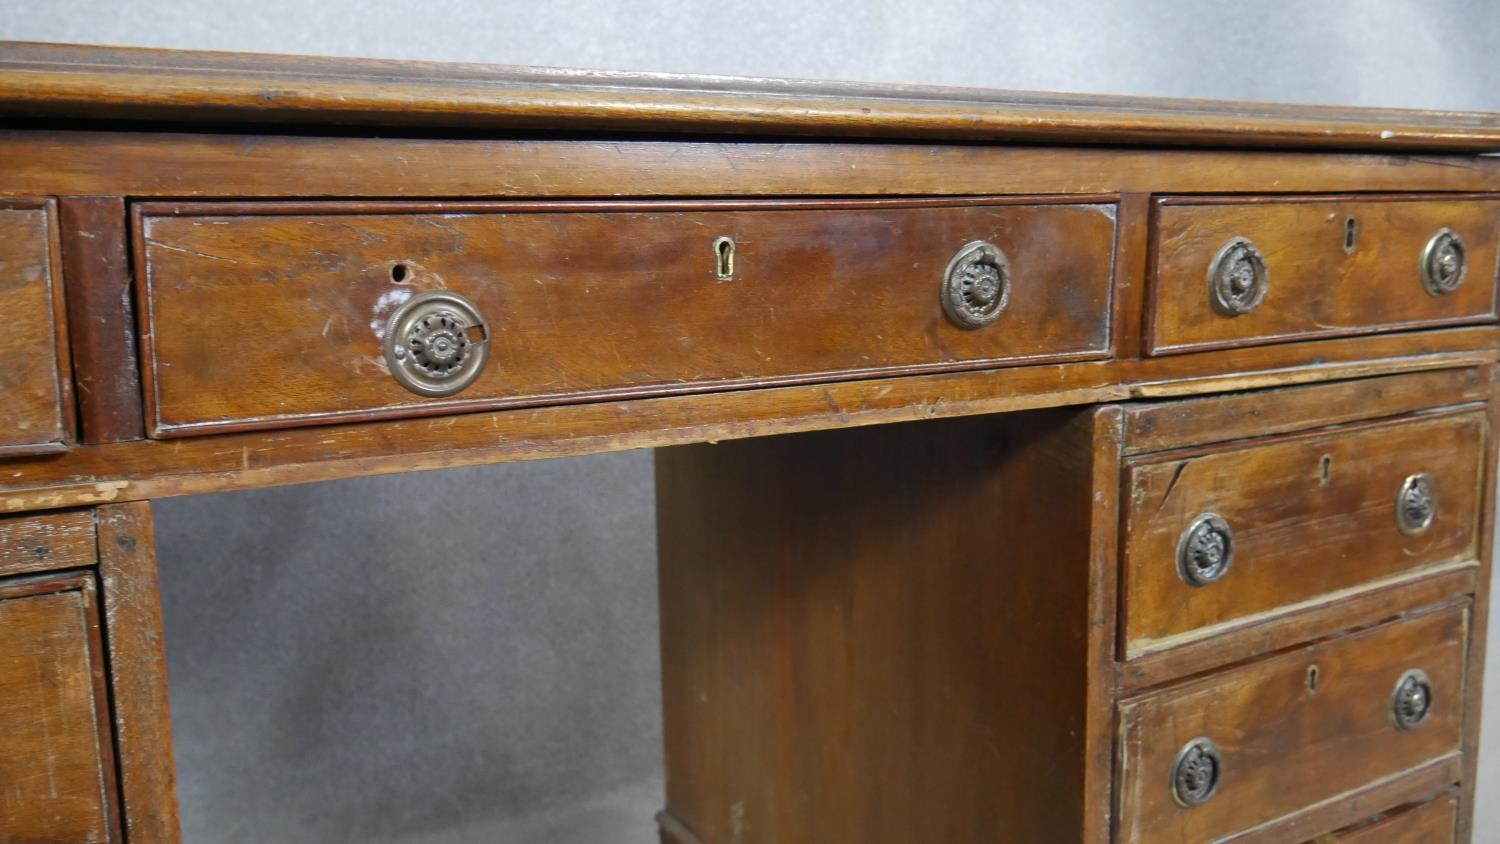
79,82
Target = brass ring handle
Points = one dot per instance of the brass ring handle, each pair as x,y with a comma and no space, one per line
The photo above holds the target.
976,285
436,343
1238,279
1196,773
1416,504
1411,702
1444,263
1205,551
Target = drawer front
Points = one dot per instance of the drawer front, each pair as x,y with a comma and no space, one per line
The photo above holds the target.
1323,274
262,316
1289,732
33,349
47,541
1301,518
56,762
1433,822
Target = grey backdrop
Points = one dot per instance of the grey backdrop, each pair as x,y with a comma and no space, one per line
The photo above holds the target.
339,676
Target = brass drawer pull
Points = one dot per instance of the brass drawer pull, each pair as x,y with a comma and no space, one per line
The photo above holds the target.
1205,551
1411,702
1196,773
976,285
436,343
1444,263
1238,278
1416,504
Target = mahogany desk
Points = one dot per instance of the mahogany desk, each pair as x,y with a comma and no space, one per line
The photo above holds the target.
1041,469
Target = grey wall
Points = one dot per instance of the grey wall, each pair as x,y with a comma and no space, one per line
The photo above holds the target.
469,656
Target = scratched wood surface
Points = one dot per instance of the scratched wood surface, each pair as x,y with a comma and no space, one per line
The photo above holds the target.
1291,738
33,347
1310,516
1432,822
618,301
1324,278
56,757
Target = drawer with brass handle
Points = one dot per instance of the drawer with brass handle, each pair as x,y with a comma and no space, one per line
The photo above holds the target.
1216,537
267,315
1234,272
1214,756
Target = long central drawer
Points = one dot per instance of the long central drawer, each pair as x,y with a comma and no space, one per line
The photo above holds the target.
263,315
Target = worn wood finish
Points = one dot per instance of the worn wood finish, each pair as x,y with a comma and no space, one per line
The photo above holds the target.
46,541
123,83
138,667
1160,426
849,643
1479,623
35,416
56,759
612,301
1310,516
1284,745
1318,286
156,469
96,272
1427,823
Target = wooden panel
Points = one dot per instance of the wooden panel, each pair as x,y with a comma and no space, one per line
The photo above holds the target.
138,659
1310,516
1317,287
858,656
1288,742
55,747
101,309
1159,426
112,82
147,469
1428,823
177,165
45,542
34,416
592,304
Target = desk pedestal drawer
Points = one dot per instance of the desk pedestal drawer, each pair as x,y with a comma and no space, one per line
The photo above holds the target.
56,762
272,316
1255,743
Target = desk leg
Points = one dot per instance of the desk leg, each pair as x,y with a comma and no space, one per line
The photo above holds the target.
138,672
891,634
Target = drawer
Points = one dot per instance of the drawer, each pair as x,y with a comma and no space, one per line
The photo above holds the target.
1252,744
1432,822
1246,272
56,761
264,316
34,376
47,541
1217,537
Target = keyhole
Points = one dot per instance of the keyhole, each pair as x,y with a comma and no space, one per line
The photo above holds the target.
1312,679
1326,473
724,257
1351,233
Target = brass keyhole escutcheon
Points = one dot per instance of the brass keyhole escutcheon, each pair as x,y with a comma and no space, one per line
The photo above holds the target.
724,258
436,343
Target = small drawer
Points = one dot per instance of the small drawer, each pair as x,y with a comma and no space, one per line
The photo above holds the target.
56,757
34,376
1246,272
1247,746
264,316
47,541
1221,536
1433,822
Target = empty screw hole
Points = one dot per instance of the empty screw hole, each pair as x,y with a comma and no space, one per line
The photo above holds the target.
399,273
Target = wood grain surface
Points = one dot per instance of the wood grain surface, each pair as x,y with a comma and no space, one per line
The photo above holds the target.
1287,742
35,415
1427,823
1310,516
47,541
1317,287
266,316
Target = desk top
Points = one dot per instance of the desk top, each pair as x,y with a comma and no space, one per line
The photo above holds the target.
73,82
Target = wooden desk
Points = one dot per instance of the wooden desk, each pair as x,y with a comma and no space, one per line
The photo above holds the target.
1041,470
